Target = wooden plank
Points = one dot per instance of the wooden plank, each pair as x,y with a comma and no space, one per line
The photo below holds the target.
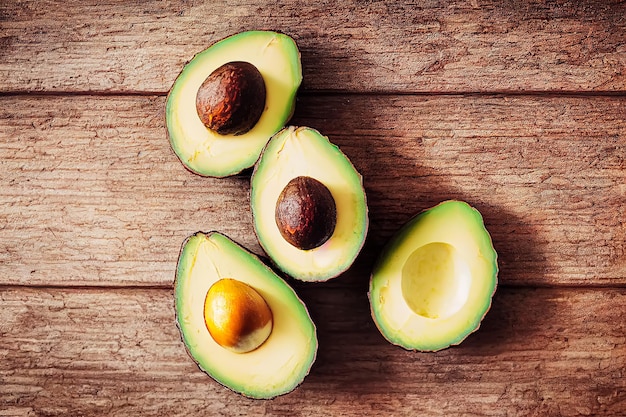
452,46
547,173
92,195
549,352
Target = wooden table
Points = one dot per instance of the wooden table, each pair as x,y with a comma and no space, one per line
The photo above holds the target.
518,107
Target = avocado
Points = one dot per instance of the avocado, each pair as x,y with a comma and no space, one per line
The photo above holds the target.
240,322
434,281
308,204
230,99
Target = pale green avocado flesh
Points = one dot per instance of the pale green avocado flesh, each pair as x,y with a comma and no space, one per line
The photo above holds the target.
208,153
303,151
434,281
278,365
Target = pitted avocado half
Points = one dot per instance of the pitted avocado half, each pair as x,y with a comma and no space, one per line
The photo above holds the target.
434,282
308,205
220,114
217,277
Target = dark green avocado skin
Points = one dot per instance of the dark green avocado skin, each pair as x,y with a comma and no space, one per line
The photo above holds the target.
341,217
451,222
274,368
210,153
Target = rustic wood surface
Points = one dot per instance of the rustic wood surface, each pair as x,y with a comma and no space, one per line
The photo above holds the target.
518,107
99,352
552,191
346,45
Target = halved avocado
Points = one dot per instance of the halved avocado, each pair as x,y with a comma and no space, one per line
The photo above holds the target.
293,154
434,281
282,361
208,153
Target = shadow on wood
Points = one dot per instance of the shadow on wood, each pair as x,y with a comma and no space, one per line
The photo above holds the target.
354,355
352,352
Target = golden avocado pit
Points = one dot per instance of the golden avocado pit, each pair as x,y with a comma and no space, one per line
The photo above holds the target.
237,316
435,281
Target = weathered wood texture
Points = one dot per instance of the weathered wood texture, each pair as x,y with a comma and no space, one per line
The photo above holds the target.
455,46
517,107
118,353
92,194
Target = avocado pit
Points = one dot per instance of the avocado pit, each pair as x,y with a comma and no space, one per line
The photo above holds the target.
231,99
237,316
306,214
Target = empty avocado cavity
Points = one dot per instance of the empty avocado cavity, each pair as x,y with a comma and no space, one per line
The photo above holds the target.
433,283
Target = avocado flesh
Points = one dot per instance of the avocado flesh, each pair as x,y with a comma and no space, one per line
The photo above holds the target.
303,151
208,153
434,281
279,364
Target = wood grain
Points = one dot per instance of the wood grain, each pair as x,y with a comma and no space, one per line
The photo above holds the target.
517,107
92,194
362,46
547,173
118,352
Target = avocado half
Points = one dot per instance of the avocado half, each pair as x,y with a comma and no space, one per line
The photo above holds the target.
434,281
303,151
208,153
277,366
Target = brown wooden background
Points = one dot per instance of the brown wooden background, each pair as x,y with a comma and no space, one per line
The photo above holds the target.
518,107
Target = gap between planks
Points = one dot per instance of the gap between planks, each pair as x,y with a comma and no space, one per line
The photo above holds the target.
340,93
296,285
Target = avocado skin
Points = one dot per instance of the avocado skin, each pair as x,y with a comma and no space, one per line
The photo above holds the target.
304,151
285,295
391,252
207,153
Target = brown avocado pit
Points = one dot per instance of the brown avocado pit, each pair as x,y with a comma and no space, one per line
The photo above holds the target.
232,98
237,316
306,214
